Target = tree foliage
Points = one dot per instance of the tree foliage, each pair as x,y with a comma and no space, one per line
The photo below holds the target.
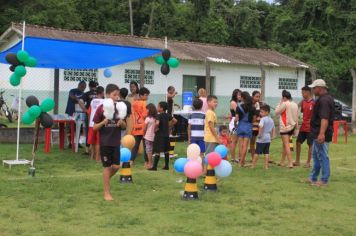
319,32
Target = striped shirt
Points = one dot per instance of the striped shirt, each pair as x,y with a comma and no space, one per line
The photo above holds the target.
196,121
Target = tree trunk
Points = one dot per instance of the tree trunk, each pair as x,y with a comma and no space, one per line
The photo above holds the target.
131,18
353,73
150,23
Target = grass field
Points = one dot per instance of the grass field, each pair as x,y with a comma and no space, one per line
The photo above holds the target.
65,198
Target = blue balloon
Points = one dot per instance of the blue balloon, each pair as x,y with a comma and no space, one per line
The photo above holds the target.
179,164
224,169
125,155
222,150
107,73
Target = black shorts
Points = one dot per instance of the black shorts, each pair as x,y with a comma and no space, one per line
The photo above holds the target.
262,148
110,156
290,133
161,144
302,136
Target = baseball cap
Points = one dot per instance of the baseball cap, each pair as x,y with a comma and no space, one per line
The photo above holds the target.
318,83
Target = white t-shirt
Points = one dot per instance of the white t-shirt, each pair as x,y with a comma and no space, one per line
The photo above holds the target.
95,103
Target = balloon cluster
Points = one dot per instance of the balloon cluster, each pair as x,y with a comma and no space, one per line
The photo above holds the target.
167,61
18,62
192,167
36,111
127,143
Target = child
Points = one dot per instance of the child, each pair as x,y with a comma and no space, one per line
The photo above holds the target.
265,133
123,95
196,125
93,136
245,114
149,130
161,141
211,138
139,113
224,137
110,130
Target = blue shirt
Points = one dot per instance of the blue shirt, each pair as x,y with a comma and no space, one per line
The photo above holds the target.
267,125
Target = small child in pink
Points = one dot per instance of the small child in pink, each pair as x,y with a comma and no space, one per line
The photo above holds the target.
149,133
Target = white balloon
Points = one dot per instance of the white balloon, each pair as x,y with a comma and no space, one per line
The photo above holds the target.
193,151
109,109
122,110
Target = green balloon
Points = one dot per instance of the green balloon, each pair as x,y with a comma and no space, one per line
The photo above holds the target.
27,119
20,71
15,80
22,56
173,62
159,60
34,111
31,62
47,105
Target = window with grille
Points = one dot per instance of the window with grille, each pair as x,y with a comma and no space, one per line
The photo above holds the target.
134,75
81,75
250,82
288,83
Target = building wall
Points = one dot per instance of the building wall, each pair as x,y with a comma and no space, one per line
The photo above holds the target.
40,82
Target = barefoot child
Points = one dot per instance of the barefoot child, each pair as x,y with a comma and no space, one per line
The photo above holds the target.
110,132
265,134
93,136
150,125
224,137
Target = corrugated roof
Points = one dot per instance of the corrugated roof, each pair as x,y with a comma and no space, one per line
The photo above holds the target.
180,49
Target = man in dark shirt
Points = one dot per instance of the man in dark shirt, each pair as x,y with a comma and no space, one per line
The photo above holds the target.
321,132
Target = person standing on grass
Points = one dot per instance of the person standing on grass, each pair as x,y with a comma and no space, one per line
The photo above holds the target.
256,97
211,137
235,99
245,113
196,126
149,133
322,132
93,136
264,136
307,106
288,124
110,135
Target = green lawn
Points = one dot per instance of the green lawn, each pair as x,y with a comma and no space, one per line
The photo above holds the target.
65,198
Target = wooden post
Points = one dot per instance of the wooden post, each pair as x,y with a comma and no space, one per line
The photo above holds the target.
353,73
131,18
207,76
56,91
263,82
142,73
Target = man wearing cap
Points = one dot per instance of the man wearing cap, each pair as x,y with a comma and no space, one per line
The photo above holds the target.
321,132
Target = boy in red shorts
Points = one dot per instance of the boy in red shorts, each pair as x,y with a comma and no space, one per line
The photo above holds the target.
93,136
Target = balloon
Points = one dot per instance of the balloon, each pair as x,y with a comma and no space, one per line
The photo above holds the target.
166,54
22,56
27,119
32,100
15,80
107,73
224,169
214,159
46,120
12,68
47,105
125,155
199,159
31,62
109,108
159,60
222,150
12,59
173,62
165,69
128,141
193,151
34,111
122,109
193,169
179,164
20,71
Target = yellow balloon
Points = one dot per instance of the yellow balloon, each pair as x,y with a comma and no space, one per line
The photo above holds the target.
128,141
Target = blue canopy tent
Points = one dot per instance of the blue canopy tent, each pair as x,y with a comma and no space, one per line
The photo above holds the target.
64,54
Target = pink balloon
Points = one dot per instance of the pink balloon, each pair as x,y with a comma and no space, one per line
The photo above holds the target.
214,159
193,169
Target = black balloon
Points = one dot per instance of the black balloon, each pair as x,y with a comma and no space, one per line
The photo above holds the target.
32,100
12,59
12,68
166,54
46,120
165,69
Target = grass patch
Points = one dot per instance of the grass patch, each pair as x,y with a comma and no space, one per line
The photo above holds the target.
65,198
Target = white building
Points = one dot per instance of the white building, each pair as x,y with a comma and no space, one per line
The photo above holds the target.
230,68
